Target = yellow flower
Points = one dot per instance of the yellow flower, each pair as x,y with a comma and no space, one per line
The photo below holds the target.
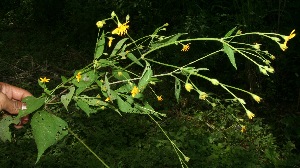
78,76
159,98
256,46
120,73
283,46
243,129
188,87
273,57
250,114
102,107
185,47
121,29
44,80
135,91
110,41
100,24
287,38
203,95
256,98
107,99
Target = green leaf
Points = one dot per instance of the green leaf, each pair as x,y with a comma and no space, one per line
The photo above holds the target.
32,104
86,80
146,77
124,89
5,134
100,46
230,32
47,129
122,76
124,106
64,79
230,54
105,63
166,40
177,89
66,99
134,59
118,47
83,105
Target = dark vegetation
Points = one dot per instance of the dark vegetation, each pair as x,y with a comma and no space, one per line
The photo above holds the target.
55,37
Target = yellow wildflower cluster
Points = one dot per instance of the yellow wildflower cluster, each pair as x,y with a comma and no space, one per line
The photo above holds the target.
250,114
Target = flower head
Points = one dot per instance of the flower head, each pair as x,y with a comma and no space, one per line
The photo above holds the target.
243,129
283,46
256,46
110,41
292,35
100,24
135,91
44,80
185,47
121,29
120,73
107,99
188,87
273,57
159,98
203,95
78,76
256,98
250,114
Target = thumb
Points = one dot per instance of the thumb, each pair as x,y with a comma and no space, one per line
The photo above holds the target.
9,105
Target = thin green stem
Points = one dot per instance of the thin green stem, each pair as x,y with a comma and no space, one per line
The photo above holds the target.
88,148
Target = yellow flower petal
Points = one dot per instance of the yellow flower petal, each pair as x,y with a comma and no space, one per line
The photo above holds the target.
243,129
185,47
110,41
44,80
250,114
159,98
135,91
100,24
188,87
78,76
256,98
121,29
107,99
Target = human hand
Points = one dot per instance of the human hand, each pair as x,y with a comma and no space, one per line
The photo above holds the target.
11,101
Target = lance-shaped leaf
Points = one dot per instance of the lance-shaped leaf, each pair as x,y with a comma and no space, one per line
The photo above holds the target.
5,134
230,32
134,59
120,74
32,104
166,40
100,46
125,106
177,89
47,129
118,47
66,99
85,107
146,77
230,54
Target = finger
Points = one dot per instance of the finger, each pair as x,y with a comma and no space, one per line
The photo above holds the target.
9,105
13,92
24,120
